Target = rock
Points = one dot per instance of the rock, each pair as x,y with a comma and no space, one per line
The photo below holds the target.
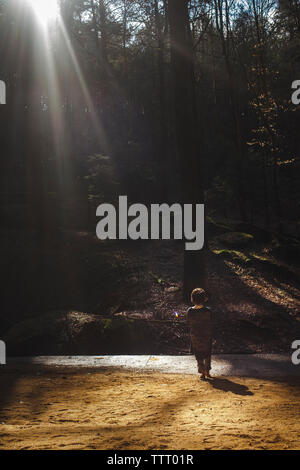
235,239
172,289
76,333
216,228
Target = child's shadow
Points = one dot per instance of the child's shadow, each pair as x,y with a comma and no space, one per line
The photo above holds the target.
228,386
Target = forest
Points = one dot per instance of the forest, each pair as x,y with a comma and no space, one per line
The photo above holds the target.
165,102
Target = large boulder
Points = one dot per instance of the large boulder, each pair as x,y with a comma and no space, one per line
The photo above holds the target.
235,239
76,333
260,234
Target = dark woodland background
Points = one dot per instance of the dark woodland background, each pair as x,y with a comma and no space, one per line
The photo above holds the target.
162,101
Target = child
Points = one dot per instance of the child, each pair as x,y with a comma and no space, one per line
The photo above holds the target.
200,323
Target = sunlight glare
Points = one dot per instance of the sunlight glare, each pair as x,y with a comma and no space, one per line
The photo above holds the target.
46,11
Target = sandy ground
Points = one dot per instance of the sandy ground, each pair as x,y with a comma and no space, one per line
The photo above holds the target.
67,408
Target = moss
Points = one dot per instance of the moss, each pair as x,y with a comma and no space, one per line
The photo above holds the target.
107,323
232,254
261,258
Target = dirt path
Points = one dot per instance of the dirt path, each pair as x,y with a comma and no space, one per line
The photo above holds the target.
238,365
66,408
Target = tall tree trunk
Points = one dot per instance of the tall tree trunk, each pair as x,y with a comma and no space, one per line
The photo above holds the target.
99,15
186,129
103,31
163,151
240,151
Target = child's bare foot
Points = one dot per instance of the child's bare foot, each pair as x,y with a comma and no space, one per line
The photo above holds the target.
202,376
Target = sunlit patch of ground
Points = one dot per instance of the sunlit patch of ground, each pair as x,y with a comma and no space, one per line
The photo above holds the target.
254,293
280,293
48,408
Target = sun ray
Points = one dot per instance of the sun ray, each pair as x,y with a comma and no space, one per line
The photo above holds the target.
94,118
46,11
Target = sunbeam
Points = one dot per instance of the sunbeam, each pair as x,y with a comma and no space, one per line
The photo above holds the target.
45,11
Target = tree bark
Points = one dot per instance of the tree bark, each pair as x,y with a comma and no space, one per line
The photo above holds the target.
240,151
186,129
